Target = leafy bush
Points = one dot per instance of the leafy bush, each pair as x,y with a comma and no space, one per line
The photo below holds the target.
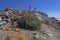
29,21
33,22
21,23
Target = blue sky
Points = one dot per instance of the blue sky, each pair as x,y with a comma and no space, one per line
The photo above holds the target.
51,7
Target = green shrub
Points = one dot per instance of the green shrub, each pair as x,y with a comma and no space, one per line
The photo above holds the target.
30,21
33,23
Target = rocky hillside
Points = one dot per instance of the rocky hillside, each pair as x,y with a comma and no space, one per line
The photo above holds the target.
28,25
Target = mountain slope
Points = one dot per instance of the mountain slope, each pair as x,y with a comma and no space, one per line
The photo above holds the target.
35,25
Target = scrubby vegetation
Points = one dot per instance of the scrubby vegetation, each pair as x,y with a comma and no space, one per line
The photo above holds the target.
19,36
29,21
33,23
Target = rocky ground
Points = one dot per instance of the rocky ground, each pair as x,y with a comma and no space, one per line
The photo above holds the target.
50,26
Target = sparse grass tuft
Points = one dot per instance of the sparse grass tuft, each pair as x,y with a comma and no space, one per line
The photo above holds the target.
19,36
7,29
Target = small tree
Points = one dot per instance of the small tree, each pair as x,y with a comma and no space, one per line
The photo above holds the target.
34,9
30,7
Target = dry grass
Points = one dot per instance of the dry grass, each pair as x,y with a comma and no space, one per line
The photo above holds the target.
19,36
13,37
7,29
14,25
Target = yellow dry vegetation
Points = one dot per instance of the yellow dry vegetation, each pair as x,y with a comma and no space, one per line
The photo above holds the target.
19,36
14,25
55,24
7,29
13,37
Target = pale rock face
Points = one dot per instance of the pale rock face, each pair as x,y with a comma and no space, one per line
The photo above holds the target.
43,37
0,19
36,35
6,13
39,16
2,22
50,34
